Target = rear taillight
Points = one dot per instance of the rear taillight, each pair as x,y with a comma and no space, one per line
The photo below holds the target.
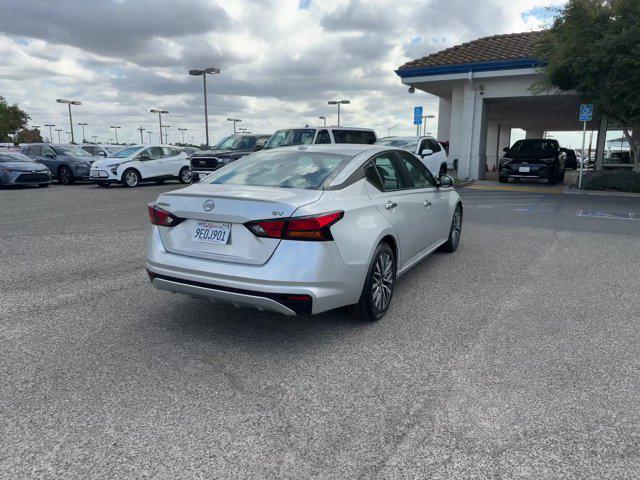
161,217
313,227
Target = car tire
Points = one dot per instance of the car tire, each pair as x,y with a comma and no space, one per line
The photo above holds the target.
103,184
43,185
184,176
65,176
503,179
377,291
131,178
455,232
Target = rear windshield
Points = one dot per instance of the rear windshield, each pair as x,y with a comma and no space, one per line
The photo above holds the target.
283,169
354,136
294,136
533,146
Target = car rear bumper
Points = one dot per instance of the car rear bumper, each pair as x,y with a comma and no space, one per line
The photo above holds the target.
296,268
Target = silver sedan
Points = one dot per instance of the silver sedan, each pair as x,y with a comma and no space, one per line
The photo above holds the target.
302,230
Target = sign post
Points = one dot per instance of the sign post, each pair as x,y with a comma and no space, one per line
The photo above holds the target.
586,114
417,119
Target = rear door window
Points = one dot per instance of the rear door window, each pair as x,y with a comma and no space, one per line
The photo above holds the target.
387,169
417,174
354,136
323,137
35,151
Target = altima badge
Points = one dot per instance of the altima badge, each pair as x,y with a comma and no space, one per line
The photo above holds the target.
208,205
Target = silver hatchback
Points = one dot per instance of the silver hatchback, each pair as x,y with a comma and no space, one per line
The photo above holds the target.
302,230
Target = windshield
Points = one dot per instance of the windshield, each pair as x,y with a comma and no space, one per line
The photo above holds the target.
297,169
70,150
404,143
297,136
236,143
533,146
127,152
14,157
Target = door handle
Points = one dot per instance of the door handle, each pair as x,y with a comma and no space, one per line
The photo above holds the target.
427,203
389,205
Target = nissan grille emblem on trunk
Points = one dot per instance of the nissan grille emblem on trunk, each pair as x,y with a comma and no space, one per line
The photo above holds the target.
208,205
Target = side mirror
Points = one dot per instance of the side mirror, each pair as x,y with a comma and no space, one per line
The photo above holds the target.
505,149
446,181
426,152
144,158
258,147
102,154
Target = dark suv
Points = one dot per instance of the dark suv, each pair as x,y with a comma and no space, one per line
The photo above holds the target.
228,150
533,158
67,163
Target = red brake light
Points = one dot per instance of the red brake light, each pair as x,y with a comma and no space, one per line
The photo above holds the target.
313,227
161,217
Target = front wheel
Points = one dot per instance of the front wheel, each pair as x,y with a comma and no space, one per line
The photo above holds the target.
185,175
65,177
130,178
378,286
455,231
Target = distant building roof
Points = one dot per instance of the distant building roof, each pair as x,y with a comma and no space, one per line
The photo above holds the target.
512,50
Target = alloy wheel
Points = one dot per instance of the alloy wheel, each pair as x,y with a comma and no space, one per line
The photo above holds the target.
456,227
382,284
131,179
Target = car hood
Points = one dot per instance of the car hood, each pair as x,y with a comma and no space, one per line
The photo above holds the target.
107,162
24,166
217,153
73,158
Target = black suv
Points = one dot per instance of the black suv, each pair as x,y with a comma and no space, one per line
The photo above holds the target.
533,158
228,150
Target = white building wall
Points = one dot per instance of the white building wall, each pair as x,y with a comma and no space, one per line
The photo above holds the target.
444,119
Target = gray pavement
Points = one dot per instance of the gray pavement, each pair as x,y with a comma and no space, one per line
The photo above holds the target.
516,357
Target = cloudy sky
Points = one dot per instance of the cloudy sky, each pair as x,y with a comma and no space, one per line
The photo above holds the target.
280,60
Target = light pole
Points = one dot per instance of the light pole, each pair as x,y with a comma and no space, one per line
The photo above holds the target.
50,131
166,133
70,102
182,130
84,137
234,120
211,70
36,127
115,129
424,123
141,129
59,130
391,128
339,102
149,132
70,136
324,120
159,112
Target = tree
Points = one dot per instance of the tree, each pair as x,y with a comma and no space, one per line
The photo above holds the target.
29,136
12,119
592,50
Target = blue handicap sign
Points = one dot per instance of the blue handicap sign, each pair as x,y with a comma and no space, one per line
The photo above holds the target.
417,115
586,112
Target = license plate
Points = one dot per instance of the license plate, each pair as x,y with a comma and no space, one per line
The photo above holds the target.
524,169
212,232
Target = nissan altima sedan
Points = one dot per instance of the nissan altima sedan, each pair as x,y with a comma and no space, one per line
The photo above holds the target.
302,230
18,169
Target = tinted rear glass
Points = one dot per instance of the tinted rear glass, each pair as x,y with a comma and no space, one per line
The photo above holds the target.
354,136
288,169
533,146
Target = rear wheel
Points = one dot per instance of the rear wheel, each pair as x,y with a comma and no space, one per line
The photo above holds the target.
185,175
130,178
454,232
378,286
65,177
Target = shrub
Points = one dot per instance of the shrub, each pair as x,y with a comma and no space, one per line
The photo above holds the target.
622,180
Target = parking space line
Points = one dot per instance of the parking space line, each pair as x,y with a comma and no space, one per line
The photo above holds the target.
509,204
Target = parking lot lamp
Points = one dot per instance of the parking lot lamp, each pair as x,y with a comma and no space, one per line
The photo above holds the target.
234,120
70,136
159,112
339,102
324,121
115,129
208,70
84,137
69,103
182,130
36,128
58,130
166,133
141,129
150,133
50,131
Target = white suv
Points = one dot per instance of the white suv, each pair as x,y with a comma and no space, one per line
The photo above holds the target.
433,154
140,163
321,135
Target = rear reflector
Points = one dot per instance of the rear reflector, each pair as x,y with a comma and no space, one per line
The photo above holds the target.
161,217
313,227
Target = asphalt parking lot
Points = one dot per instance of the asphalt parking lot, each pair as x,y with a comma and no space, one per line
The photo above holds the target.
516,357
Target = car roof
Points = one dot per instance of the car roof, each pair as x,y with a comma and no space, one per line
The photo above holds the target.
408,137
329,127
